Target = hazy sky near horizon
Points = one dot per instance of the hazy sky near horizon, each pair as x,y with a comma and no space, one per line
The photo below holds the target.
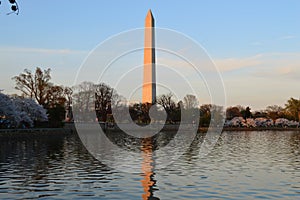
255,44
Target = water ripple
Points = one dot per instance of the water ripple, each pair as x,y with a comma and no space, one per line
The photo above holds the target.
256,165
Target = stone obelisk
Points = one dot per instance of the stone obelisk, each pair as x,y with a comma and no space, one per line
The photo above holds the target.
149,82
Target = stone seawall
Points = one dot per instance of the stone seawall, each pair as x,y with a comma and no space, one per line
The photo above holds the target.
260,129
67,129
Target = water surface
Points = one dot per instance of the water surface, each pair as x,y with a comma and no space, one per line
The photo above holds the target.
243,165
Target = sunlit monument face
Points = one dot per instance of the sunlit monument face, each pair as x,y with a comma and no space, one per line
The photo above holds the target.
149,85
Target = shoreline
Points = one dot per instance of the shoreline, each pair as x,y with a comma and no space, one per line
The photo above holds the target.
69,128
236,129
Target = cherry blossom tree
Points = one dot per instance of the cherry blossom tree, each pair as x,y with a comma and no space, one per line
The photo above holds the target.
29,111
8,114
21,112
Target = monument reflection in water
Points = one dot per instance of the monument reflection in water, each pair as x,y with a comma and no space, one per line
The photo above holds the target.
148,181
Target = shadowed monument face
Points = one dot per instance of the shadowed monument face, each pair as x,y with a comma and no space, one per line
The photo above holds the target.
149,84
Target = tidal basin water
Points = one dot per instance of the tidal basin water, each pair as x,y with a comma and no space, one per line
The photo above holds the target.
243,165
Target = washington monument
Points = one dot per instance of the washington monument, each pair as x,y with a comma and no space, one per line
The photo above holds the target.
149,82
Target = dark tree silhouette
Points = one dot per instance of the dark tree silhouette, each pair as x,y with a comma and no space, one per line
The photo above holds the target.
14,7
248,113
104,95
293,108
37,86
52,97
168,104
34,85
205,115
232,112
274,112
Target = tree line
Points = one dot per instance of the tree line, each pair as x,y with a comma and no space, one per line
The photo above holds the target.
54,98
59,101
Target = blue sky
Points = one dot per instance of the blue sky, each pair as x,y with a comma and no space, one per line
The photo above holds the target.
255,44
